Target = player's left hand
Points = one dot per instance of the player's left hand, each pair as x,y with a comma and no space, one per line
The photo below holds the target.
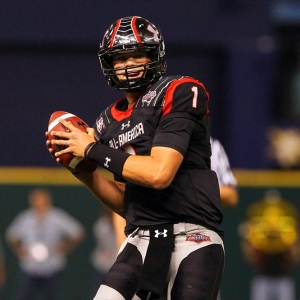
74,141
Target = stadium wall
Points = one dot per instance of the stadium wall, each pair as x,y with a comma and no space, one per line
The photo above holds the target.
72,196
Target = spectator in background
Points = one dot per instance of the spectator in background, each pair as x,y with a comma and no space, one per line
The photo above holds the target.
227,181
270,242
42,237
105,252
2,268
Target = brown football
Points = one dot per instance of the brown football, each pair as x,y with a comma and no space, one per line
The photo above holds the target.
76,163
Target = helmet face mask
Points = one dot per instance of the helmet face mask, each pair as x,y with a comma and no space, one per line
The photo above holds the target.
132,34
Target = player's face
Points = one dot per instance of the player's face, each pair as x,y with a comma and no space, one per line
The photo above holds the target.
40,202
134,61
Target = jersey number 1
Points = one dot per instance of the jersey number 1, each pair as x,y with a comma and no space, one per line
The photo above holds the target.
195,97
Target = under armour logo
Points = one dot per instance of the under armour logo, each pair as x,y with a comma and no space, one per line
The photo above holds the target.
125,125
106,162
157,233
82,124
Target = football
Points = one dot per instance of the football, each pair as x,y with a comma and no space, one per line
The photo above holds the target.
76,163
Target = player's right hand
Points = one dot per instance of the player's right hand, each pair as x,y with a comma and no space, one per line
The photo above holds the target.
52,153
50,149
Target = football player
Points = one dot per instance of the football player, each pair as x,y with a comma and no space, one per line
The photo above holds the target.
156,142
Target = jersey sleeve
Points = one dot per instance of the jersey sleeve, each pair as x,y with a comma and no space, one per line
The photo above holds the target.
174,131
185,108
187,95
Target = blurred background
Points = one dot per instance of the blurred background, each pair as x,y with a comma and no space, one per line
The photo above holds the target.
246,53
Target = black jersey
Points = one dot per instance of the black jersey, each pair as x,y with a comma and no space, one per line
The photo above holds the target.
173,113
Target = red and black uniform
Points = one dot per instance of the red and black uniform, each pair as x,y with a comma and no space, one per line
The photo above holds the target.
172,113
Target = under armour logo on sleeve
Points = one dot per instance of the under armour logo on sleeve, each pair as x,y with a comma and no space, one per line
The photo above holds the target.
164,233
106,162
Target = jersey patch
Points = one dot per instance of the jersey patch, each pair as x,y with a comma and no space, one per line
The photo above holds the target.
148,97
99,124
197,238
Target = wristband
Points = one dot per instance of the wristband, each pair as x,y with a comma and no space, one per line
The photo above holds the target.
88,148
109,158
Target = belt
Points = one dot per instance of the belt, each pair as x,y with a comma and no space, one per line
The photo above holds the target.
179,229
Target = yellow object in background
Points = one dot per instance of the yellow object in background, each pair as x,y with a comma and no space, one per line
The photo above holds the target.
272,225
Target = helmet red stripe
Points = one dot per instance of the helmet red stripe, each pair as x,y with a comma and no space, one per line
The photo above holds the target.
114,33
135,31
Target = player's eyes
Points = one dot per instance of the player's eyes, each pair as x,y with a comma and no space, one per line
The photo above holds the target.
124,58
120,58
138,55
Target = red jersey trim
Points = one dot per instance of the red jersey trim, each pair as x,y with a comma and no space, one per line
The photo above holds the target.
114,33
135,31
121,115
170,93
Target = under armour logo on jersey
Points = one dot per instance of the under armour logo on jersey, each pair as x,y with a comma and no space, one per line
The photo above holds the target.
106,162
157,233
125,125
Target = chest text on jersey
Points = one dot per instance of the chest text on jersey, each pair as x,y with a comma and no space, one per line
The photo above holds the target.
127,136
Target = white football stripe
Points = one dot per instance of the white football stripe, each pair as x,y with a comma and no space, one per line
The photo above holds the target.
75,161
55,122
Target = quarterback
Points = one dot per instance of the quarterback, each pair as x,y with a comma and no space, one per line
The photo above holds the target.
156,142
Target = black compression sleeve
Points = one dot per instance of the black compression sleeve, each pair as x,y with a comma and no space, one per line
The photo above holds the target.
109,158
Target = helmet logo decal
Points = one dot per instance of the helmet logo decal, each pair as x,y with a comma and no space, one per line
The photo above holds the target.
155,33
